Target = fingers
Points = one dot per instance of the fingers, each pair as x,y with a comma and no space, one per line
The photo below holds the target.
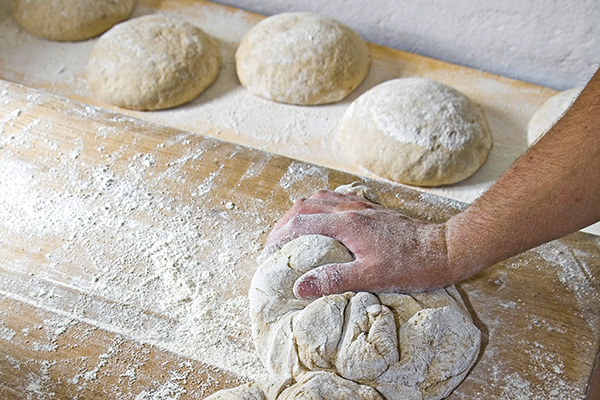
328,279
298,225
322,202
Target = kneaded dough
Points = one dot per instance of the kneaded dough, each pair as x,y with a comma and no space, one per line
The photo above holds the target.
70,20
152,62
301,58
320,385
360,190
352,346
409,347
549,112
416,131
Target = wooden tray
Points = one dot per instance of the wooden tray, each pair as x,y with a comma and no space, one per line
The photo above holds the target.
227,111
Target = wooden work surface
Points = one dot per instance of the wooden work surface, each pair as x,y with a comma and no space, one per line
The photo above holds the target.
127,247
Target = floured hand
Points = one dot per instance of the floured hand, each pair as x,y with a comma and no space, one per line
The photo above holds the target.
392,252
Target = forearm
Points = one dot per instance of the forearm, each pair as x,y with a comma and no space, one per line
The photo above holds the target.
552,190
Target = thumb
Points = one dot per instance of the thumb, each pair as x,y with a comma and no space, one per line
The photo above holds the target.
324,280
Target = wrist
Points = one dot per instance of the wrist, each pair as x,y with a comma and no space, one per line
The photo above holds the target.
440,271
466,241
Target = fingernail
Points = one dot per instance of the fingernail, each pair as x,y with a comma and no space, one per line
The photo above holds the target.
306,288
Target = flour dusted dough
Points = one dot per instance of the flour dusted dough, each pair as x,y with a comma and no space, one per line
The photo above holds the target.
69,20
319,385
152,62
354,345
416,131
549,112
416,346
301,58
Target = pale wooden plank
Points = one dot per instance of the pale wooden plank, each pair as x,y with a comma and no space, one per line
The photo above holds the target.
125,180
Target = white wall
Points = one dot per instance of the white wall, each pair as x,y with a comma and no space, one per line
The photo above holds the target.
554,43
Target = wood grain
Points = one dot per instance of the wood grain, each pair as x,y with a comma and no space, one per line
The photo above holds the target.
66,330
116,226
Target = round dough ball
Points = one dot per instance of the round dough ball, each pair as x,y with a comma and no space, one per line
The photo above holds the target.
69,20
416,131
152,62
301,58
549,112
417,346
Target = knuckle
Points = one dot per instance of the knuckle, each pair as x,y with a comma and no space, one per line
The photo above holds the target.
296,221
360,205
356,217
299,203
321,193
299,206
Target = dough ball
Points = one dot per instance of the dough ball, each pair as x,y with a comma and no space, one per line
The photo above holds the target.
411,347
416,131
152,62
549,112
319,385
69,20
352,346
301,58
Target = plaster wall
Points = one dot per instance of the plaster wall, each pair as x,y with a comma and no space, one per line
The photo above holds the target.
553,43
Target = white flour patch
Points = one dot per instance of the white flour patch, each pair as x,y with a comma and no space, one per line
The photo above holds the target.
121,256
172,389
6,333
301,173
574,273
256,168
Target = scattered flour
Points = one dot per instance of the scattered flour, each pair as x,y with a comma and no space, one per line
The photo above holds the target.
575,274
118,263
111,258
299,173
172,389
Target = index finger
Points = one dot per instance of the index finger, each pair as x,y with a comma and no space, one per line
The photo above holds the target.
324,202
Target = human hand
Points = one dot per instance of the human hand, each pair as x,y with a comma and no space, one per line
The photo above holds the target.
392,251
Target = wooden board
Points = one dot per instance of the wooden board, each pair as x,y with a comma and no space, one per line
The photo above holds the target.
120,240
126,250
